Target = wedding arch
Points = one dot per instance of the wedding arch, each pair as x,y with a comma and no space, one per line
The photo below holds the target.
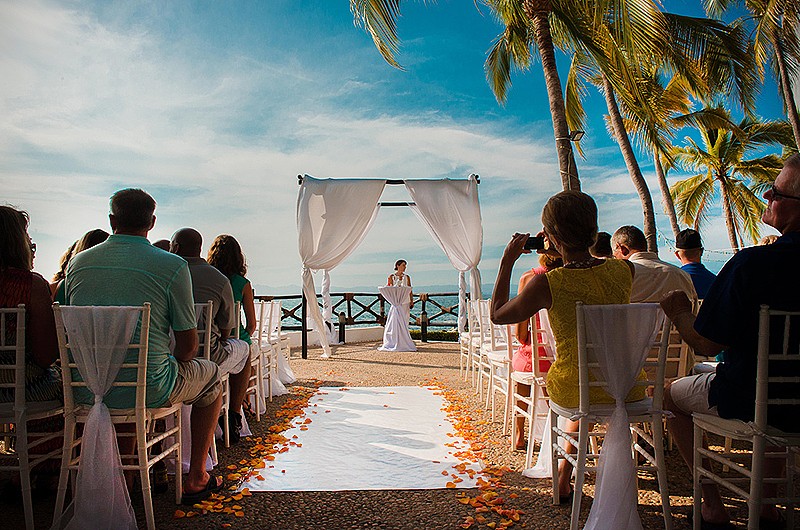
335,214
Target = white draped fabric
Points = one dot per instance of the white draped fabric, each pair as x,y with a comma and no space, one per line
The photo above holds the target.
623,336
450,211
333,216
99,338
395,335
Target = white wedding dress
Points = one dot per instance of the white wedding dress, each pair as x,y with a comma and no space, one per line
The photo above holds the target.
396,336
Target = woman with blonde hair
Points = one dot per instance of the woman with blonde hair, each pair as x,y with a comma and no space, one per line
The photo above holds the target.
570,227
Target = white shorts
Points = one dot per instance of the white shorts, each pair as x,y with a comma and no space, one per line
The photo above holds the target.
234,357
690,393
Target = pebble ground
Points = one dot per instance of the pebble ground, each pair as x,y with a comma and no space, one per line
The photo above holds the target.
363,365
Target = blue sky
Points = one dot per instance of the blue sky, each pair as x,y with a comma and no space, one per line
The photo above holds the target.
215,107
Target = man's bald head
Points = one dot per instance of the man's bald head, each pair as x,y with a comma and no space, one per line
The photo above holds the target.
186,243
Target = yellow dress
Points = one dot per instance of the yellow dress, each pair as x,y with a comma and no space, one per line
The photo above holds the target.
607,283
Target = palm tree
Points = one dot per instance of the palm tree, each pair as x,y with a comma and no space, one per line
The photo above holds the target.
527,23
776,37
706,52
723,166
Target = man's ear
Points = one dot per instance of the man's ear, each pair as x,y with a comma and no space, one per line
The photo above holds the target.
152,223
113,222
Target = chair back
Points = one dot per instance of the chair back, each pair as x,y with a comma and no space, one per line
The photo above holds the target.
628,332
138,344
473,321
778,369
237,329
12,353
275,318
205,317
543,345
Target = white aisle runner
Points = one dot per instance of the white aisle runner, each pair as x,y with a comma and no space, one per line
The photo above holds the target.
369,438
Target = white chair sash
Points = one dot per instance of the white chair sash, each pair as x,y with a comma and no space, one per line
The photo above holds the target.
622,341
100,339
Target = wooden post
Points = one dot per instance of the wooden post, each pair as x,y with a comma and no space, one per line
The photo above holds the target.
424,326
304,333
342,322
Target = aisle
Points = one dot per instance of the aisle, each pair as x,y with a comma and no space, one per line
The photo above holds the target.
369,438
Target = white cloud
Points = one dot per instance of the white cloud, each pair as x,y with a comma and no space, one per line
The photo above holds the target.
219,139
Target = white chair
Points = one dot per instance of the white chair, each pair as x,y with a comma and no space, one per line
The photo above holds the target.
604,351
480,363
772,389
499,361
81,343
468,341
254,386
277,337
534,407
19,411
268,366
205,317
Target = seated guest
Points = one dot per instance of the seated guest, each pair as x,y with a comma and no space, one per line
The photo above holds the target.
19,285
522,360
163,244
62,270
570,226
127,270
602,247
89,239
232,355
728,319
689,251
654,278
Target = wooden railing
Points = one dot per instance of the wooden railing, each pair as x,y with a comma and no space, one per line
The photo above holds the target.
360,309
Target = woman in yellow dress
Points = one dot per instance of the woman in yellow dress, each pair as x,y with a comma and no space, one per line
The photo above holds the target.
570,228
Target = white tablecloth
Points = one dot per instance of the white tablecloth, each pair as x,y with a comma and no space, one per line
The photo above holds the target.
395,335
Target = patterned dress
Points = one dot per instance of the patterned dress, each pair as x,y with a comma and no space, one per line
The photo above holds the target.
607,283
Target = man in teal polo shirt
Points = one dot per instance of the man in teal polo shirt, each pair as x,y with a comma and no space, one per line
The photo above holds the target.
126,270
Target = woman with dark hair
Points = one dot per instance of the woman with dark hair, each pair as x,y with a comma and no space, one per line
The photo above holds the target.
20,285
570,226
226,255
90,239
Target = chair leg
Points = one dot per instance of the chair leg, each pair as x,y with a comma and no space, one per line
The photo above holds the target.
756,479
177,454
554,438
24,469
63,477
144,475
697,495
580,472
663,486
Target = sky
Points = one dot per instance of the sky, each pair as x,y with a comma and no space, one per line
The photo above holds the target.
214,108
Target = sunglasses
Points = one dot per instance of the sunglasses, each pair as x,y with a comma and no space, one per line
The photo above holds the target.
780,195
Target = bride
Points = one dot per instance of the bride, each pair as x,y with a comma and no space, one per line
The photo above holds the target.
399,278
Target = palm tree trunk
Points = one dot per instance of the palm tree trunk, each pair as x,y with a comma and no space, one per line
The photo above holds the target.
786,90
538,11
727,211
633,166
666,198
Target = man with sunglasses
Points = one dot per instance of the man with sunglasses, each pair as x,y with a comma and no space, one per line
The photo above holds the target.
728,320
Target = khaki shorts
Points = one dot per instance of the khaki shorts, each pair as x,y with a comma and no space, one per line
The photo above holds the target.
232,356
197,383
690,393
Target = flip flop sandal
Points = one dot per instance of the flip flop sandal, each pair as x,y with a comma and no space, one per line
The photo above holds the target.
212,486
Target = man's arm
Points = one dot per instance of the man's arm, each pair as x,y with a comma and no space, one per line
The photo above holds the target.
186,344
678,308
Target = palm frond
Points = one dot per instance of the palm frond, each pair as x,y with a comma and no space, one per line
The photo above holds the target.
691,196
379,18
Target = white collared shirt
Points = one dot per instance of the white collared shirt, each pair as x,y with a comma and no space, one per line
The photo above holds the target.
654,278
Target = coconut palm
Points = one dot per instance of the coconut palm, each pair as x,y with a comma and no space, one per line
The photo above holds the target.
707,53
776,39
527,25
723,166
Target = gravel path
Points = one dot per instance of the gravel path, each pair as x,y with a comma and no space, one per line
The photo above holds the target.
363,365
